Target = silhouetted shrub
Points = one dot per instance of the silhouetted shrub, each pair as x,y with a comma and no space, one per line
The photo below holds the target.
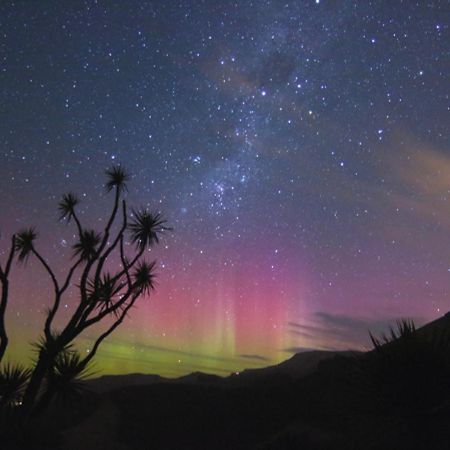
407,373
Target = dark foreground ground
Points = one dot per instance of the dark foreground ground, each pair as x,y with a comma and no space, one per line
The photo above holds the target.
324,407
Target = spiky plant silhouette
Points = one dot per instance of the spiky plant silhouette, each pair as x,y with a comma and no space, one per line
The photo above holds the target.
406,329
67,375
102,293
117,178
106,291
24,243
64,380
146,227
67,205
86,247
144,276
407,373
13,381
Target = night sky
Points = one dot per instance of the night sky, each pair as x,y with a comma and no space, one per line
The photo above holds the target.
299,149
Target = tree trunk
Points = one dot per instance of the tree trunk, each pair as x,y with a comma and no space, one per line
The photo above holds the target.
3,335
43,365
44,401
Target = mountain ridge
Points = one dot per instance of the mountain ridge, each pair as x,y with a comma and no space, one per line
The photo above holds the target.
297,366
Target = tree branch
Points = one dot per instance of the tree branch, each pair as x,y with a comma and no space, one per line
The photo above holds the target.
95,302
108,331
129,266
125,263
84,301
4,298
52,312
77,221
110,222
69,276
82,317
86,323
54,309
108,251
11,255
47,268
3,304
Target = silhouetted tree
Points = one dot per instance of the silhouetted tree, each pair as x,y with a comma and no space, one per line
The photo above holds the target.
4,280
102,294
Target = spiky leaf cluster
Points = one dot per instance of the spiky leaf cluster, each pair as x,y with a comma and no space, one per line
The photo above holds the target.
105,291
407,373
67,205
66,376
86,247
116,177
24,243
13,380
144,276
146,227
49,345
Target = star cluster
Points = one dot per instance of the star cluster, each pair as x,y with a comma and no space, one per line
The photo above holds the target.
299,149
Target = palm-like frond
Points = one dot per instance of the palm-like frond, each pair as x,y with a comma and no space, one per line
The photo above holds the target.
49,345
144,276
405,330
407,373
24,243
86,247
146,227
65,378
116,176
67,205
106,290
13,380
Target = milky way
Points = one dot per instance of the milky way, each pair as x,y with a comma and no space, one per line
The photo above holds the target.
300,150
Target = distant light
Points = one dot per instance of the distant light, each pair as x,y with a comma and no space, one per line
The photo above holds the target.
263,93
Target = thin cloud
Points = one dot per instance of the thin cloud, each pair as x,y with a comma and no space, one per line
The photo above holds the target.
341,331
254,357
297,349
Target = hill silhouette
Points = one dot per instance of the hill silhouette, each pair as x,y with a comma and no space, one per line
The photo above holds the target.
315,401
299,365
